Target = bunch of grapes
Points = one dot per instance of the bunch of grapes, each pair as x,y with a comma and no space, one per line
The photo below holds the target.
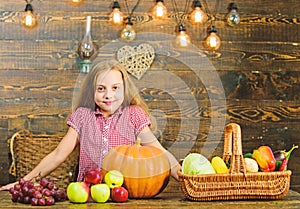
41,192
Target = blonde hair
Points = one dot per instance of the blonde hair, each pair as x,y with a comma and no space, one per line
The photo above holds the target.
88,88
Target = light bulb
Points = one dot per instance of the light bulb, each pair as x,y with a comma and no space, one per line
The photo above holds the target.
29,20
233,17
76,2
159,11
87,48
197,16
128,33
116,17
213,41
182,38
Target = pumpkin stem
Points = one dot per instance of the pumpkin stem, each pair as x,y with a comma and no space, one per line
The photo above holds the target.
138,142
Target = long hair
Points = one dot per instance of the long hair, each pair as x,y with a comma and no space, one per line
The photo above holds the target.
131,95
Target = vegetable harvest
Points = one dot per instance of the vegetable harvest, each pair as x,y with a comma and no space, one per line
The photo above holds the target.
260,159
265,158
219,165
251,165
195,163
282,157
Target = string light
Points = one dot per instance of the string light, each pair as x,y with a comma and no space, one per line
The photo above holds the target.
29,20
76,2
213,41
233,17
128,33
198,16
159,11
182,38
116,17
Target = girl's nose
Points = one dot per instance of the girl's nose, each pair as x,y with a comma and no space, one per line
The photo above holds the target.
108,94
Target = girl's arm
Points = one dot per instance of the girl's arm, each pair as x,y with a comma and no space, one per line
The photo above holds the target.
53,159
148,139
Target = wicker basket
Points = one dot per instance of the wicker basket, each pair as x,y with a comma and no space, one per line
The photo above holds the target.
28,150
237,185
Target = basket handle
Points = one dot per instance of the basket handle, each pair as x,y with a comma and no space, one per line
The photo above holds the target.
12,168
233,148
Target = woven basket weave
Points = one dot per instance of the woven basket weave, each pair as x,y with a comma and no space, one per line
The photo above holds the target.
29,149
237,184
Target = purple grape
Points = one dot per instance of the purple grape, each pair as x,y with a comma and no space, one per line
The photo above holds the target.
46,192
25,184
37,194
14,199
31,192
21,181
50,185
55,187
60,195
42,202
27,200
30,184
38,187
15,194
20,199
51,193
17,187
21,195
11,190
25,190
43,182
50,201
34,201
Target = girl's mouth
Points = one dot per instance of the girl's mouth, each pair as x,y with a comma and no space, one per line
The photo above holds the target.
108,102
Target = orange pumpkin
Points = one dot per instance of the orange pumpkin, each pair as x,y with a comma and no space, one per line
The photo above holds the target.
146,169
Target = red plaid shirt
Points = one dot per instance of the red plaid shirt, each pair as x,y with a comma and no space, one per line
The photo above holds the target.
97,134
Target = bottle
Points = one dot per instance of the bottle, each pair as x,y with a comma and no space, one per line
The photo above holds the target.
87,48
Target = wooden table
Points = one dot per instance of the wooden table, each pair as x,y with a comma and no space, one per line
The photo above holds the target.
166,200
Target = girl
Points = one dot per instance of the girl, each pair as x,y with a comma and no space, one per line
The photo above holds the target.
108,112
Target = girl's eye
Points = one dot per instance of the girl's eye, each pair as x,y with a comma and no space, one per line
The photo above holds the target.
116,87
100,88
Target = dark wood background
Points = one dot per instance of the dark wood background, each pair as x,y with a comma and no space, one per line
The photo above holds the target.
257,64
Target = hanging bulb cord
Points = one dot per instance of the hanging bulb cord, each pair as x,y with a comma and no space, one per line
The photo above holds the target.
28,6
179,18
217,6
133,9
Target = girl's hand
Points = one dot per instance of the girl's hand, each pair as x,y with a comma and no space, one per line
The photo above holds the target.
8,186
174,172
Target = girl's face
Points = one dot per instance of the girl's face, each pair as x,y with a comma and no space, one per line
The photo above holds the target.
109,94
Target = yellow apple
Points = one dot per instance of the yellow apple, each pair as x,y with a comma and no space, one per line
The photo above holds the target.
100,192
78,192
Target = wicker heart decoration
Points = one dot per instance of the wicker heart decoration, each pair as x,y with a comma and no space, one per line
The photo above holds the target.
137,59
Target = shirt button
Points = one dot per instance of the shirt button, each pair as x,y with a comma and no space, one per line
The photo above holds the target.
104,152
106,126
105,139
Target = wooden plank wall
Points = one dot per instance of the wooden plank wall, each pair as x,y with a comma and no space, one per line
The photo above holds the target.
258,67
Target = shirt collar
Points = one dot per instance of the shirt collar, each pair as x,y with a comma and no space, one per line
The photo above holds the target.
119,111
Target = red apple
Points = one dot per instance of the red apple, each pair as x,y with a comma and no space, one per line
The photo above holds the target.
119,194
93,176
